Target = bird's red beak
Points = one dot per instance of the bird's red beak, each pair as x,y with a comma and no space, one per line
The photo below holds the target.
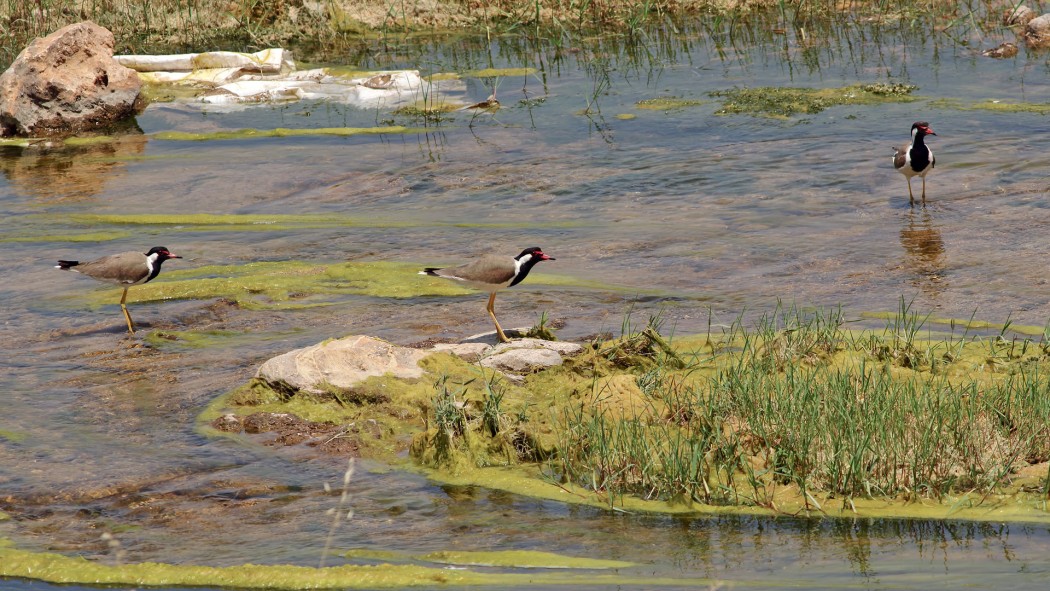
929,131
172,255
544,257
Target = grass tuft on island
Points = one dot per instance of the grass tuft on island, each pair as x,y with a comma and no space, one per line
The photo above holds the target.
794,415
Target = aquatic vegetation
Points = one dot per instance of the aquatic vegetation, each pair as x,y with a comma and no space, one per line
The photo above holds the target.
499,72
292,284
279,132
796,414
996,105
61,238
782,103
668,103
269,222
55,568
12,436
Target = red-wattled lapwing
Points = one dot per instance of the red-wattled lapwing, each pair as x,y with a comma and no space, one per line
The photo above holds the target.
492,273
916,158
124,269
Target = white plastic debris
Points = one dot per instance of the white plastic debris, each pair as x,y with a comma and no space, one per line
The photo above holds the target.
269,61
230,78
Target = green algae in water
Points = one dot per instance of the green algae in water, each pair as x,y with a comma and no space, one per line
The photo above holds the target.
506,559
668,103
996,106
521,559
12,436
288,284
1022,329
60,238
55,568
784,102
499,72
281,132
272,222
161,339
301,284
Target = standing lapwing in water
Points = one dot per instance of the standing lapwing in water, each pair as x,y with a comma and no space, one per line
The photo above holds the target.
916,158
492,273
124,269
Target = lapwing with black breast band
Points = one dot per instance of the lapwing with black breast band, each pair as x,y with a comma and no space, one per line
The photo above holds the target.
124,269
492,273
916,158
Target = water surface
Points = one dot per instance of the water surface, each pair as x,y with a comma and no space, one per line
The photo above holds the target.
685,213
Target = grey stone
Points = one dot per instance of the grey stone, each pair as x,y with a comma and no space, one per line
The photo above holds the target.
561,347
467,351
522,360
343,362
66,83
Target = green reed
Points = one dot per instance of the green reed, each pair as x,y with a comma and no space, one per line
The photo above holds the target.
324,30
799,402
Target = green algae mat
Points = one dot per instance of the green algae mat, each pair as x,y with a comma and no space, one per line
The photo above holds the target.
55,568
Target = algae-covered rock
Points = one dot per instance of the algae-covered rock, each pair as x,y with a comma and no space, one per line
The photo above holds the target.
342,363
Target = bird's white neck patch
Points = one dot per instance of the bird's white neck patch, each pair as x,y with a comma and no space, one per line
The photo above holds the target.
519,262
150,260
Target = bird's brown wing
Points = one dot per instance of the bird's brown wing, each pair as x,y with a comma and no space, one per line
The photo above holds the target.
126,267
490,270
900,156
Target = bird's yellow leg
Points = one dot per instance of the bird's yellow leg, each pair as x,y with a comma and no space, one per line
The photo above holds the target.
492,312
923,190
123,308
911,198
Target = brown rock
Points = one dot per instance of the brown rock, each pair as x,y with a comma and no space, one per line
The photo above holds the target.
1037,32
66,83
1020,15
1005,50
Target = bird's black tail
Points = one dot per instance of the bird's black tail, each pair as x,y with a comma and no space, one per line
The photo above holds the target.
67,264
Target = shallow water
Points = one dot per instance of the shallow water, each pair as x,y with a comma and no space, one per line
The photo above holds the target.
691,215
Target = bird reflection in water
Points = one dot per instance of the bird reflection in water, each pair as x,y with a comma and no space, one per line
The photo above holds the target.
924,252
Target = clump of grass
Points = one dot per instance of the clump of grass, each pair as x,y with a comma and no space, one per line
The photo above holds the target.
799,405
339,512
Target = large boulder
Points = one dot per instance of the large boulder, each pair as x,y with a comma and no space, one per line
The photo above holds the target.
66,83
343,363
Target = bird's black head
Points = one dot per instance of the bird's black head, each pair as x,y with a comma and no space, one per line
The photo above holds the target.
921,128
162,253
536,253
